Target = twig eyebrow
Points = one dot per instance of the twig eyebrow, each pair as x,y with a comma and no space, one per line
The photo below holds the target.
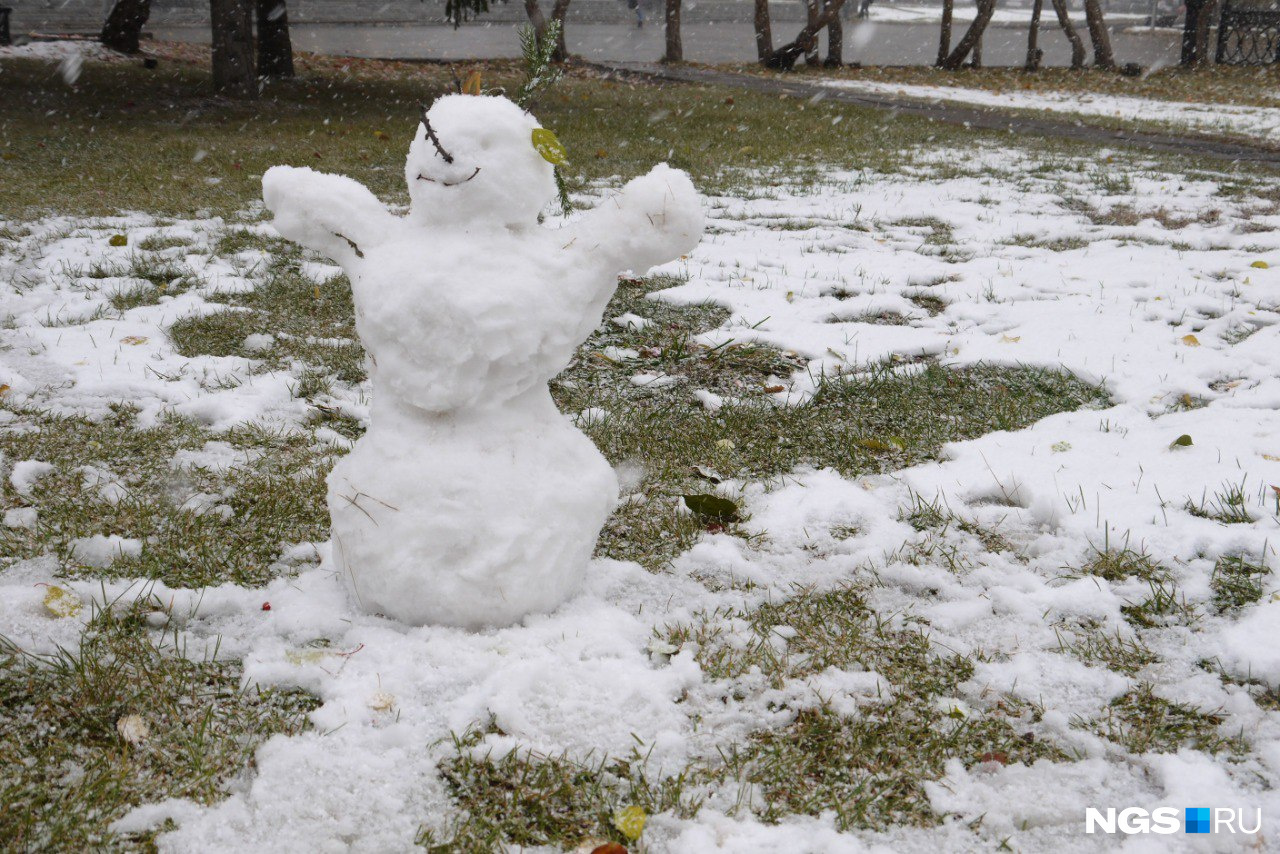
431,135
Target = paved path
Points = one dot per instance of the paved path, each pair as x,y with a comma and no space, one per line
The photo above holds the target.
868,42
985,119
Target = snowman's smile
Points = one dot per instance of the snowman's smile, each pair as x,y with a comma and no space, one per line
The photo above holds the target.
422,177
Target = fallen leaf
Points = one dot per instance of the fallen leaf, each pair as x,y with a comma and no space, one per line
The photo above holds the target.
4,389
1191,340
1183,441
62,603
725,444
709,473
630,821
381,134
1272,457
135,340
118,240
1010,339
472,84
1260,265
381,701
712,507
888,443
774,389
133,729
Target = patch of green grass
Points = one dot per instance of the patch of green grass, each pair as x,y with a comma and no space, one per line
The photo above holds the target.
930,303
1056,244
312,323
868,769
239,240
198,525
330,118
938,520
1228,506
161,242
1163,605
1113,651
69,772
1117,565
1142,722
1237,582
162,277
527,799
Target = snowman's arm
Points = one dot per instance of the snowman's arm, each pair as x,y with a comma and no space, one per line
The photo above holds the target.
332,214
654,219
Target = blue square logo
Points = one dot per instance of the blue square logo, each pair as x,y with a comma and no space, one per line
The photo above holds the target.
1197,820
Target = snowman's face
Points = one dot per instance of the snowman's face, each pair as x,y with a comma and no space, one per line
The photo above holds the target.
481,166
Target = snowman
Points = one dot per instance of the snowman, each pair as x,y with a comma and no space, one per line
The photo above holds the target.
471,500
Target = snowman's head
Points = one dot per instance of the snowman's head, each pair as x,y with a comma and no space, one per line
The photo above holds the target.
473,159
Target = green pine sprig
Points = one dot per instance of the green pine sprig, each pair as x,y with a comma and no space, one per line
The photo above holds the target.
540,74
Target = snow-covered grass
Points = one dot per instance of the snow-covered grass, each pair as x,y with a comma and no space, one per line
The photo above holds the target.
1260,123
1000,429
1224,85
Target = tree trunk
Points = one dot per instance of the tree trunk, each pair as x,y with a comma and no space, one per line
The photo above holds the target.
675,50
1102,56
944,37
1190,28
124,25
558,12
835,43
231,22
1034,53
1203,22
536,19
986,8
784,58
977,52
811,57
275,50
764,32
1077,43
540,22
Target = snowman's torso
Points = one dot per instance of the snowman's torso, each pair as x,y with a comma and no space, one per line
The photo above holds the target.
458,319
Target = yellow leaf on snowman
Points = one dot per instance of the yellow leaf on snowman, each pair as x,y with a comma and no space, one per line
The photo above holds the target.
62,603
546,144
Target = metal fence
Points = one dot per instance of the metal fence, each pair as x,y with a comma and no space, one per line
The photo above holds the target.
1249,32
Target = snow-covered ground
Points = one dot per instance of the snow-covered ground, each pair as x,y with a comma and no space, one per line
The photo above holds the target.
1154,284
1262,123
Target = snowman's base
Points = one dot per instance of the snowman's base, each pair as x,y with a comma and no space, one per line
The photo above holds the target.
469,519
